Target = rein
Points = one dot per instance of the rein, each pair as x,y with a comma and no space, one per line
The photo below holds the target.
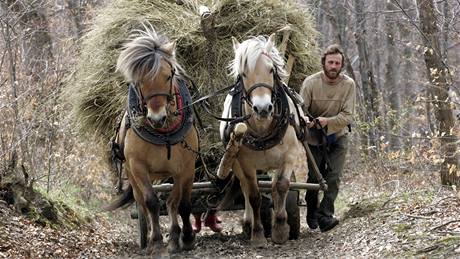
281,118
206,105
254,87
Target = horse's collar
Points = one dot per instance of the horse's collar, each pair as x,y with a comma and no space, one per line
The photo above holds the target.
279,124
179,126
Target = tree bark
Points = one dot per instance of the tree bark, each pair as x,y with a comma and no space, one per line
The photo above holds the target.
440,81
392,89
338,23
369,86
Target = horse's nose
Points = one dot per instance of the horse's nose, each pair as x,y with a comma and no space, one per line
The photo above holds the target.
162,120
158,121
263,110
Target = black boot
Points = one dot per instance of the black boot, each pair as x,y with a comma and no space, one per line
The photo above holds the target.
312,207
312,220
327,223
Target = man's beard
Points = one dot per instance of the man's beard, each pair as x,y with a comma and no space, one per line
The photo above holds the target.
332,73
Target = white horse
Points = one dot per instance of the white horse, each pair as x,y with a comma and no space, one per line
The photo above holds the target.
270,142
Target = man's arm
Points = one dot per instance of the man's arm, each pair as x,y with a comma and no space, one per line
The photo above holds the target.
305,92
345,116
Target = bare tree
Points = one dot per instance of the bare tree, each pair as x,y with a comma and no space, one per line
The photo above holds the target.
338,20
440,81
368,84
391,77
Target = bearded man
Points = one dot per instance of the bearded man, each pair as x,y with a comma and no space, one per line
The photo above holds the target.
329,100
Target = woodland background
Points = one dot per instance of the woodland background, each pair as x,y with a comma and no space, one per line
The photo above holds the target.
403,54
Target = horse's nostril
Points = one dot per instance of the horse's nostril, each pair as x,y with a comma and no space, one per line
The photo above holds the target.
270,108
255,109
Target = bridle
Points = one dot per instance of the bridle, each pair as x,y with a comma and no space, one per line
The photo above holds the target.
273,88
169,97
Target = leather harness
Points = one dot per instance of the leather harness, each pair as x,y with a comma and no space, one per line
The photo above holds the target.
281,119
137,120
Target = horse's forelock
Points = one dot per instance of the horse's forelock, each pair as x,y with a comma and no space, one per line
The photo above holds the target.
141,56
249,51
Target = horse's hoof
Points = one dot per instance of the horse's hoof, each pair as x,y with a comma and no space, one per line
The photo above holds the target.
240,129
187,246
173,248
247,230
155,249
188,242
259,242
280,233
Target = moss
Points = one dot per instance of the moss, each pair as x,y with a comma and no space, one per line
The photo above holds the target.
363,208
402,228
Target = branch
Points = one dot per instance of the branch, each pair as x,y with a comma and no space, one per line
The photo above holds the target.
436,51
445,224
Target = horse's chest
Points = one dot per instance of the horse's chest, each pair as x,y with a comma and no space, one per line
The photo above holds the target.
268,159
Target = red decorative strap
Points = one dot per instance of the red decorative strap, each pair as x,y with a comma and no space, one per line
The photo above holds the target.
177,122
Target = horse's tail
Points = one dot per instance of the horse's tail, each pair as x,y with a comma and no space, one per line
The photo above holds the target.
123,201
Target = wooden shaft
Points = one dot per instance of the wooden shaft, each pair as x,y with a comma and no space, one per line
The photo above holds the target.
208,187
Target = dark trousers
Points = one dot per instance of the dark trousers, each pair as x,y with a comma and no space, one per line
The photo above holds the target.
330,163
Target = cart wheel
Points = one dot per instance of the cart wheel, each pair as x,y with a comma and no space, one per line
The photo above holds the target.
266,215
293,211
142,223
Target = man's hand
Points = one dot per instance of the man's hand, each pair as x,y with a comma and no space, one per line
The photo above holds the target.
323,121
308,122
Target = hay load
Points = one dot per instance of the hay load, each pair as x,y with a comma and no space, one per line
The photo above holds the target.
98,93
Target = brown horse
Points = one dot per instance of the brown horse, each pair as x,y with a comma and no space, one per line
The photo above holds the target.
160,140
270,142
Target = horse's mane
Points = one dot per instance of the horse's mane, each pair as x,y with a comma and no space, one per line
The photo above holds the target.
141,55
248,52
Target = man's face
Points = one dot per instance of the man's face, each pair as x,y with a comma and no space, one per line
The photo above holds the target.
333,65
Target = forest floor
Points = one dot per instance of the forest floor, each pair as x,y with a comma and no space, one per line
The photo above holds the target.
403,215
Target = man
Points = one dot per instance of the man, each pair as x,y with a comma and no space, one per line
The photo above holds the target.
329,101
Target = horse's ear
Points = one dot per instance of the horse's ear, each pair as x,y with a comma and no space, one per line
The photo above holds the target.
270,42
236,44
169,48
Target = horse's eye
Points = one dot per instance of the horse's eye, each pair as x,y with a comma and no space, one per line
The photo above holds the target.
243,75
272,70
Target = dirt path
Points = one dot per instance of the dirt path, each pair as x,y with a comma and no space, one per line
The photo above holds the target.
403,217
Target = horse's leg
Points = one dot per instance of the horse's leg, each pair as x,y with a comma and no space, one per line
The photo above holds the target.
185,209
173,206
248,212
280,188
248,181
140,203
151,202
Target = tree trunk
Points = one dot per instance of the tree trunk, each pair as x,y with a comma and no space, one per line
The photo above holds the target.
391,87
438,74
31,60
338,21
369,87
407,76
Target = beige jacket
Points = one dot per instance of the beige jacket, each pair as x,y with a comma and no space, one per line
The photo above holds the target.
336,102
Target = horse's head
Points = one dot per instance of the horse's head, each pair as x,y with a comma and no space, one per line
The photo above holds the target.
259,65
149,61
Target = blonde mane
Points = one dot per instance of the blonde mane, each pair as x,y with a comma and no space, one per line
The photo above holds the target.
140,57
249,51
